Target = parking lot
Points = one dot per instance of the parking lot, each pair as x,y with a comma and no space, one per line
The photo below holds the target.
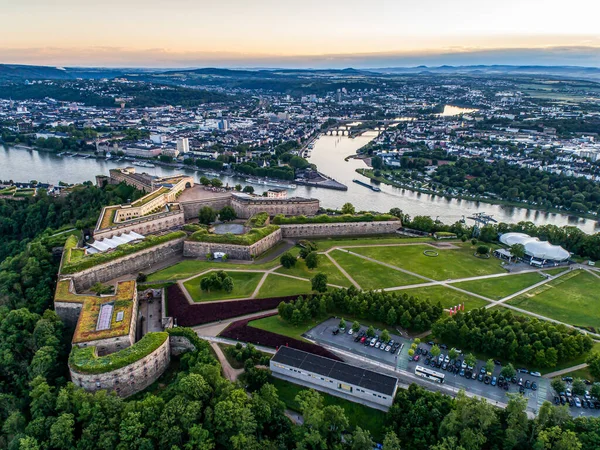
400,361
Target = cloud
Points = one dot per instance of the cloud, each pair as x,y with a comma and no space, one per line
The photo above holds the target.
582,55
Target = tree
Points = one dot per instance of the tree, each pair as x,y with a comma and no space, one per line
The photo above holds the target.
215,182
435,351
483,250
593,362
595,390
578,386
238,187
391,441
517,424
470,360
508,371
207,215
319,282
558,385
312,260
287,260
489,365
204,181
371,332
355,326
361,440
61,432
411,352
248,190
228,284
348,208
555,438
385,336
517,250
453,354
342,324
227,213
392,317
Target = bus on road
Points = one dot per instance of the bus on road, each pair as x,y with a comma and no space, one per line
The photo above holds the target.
431,375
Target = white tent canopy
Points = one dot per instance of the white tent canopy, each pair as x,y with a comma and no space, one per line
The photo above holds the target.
103,245
536,248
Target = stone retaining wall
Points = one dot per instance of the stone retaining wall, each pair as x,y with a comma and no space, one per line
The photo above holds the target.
245,207
130,264
130,379
68,312
180,344
192,208
339,229
195,249
144,225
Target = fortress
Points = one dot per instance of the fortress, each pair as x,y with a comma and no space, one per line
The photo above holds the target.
115,346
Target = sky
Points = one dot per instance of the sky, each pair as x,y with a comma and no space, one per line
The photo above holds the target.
299,33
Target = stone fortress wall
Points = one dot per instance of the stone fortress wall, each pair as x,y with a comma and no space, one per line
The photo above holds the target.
193,249
246,206
341,228
130,379
144,225
129,264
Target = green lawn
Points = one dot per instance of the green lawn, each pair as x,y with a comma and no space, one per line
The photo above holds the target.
334,276
556,270
497,288
370,275
357,414
327,243
446,296
189,268
280,286
572,298
450,264
276,324
244,284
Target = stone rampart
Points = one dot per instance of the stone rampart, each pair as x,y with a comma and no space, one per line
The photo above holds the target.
129,264
339,229
68,312
194,249
180,344
191,208
246,206
144,225
130,379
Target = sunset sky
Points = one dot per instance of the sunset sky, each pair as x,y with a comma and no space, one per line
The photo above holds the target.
303,33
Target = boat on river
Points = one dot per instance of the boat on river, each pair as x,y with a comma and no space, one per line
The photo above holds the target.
279,184
362,183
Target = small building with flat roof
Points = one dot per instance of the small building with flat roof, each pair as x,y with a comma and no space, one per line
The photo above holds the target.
336,378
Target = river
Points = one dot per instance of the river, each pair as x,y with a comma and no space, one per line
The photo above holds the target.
328,154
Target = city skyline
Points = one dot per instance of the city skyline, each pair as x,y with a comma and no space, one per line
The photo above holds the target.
330,33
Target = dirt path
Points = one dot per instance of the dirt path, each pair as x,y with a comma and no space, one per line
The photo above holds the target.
564,371
229,372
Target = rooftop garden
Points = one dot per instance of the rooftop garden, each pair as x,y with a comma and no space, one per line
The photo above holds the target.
123,250
108,217
151,196
84,360
258,220
249,238
325,218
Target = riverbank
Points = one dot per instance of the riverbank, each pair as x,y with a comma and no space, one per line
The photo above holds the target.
369,174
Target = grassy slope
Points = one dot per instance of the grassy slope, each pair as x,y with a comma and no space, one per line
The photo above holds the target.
276,324
497,288
572,298
453,264
358,415
334,276
244,284
327,243
370,275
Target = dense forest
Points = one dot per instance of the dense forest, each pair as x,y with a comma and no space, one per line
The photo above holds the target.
514,183
194,406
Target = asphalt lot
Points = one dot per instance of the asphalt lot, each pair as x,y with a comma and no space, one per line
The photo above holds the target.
323,333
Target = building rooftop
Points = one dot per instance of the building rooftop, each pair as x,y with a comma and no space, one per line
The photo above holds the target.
346,373
100,317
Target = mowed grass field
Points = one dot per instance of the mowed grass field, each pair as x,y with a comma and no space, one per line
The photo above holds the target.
450,264
280,286
334,276
572,298
244,284
370,275
276,324
500,287
446,296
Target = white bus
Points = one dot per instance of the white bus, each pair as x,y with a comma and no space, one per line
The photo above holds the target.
431,375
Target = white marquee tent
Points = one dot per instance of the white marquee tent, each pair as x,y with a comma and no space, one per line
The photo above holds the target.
535,248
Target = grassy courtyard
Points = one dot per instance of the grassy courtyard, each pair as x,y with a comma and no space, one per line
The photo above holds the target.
500,287
244,284
446,296
276,324
357,414
449,264
334,276
280,286
569,299
370,275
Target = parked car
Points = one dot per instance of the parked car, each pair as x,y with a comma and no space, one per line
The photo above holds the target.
498,363
382,347
486,379
363,339
444,366
513,380
527,384
522,370
350,332
335,331
521,390
568,392
480,377
473,375
443,346
506,386
463,365
377,344
425,352
563,399
388,348
431,343
494,381
534,386
535,374
567,379
419,351
556,400
368,342
447,359
577,402
373,341
462,372
520,383
482,370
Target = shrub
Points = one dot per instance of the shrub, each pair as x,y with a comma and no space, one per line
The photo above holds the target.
258,220
287,260
312,260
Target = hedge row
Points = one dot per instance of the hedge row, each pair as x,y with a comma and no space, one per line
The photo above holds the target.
249,238
84,360
324,218
259,220
191,315
241,331
122,250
